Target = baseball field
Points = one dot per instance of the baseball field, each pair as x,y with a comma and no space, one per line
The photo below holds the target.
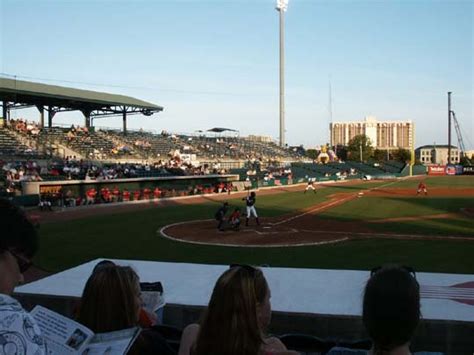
355,225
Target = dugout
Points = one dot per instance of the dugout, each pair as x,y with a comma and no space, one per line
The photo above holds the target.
32,191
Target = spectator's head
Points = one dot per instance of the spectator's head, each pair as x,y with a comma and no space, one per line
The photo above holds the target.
18,244
102,264
391,307
238,313
111,299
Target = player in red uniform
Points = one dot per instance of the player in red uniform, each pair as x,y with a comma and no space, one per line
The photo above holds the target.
157,192
421,188
125,195
234,219
116,194
136,195
90,195
146,193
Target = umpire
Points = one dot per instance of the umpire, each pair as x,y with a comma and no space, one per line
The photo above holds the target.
220,215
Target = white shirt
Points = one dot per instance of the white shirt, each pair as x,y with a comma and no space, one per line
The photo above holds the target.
19,333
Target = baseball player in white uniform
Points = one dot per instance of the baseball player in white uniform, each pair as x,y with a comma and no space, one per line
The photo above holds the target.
310,185
250,202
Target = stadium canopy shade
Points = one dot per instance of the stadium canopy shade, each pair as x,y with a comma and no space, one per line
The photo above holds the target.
16,94
220,130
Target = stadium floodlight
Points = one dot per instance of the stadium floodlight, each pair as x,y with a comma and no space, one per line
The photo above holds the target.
282,5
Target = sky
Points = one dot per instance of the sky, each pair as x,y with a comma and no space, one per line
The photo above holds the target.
215,63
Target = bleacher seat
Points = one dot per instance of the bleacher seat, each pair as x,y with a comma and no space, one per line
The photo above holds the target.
171,334
306,344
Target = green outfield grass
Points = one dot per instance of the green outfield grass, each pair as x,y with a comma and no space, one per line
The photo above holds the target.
456,182
133,235
393,207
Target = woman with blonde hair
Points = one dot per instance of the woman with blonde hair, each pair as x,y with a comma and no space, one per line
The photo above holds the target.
112,301
236,319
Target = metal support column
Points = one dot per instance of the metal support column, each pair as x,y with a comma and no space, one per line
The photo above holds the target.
5,113
124,117
87,116
41,111
51,114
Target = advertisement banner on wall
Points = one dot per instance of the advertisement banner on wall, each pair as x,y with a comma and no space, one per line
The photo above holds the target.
450,170
436,170
468,170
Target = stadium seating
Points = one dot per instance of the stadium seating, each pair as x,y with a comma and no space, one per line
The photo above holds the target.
10,145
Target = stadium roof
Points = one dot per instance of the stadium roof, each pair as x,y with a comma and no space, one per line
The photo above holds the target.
220,130
445,146
20,94
37,93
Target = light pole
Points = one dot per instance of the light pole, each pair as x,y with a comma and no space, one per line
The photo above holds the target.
281,7
449,127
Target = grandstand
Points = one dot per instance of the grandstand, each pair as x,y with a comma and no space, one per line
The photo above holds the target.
10,145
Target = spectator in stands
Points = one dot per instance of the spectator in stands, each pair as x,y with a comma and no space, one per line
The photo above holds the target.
18,244
391,311
145,319
236,319
111,301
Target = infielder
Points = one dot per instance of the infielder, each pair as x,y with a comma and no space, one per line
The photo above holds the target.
250,202
310,185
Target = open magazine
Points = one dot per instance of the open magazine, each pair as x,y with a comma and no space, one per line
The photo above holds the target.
153,300
65,336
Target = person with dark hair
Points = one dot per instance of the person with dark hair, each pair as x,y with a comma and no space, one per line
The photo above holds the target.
18,244
391,311
250,204
220,215
236,319
145,319
391,308
111,301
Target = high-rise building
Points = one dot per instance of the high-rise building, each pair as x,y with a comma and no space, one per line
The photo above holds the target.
382,134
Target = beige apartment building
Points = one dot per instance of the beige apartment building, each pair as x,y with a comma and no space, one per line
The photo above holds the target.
437,154
382,134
